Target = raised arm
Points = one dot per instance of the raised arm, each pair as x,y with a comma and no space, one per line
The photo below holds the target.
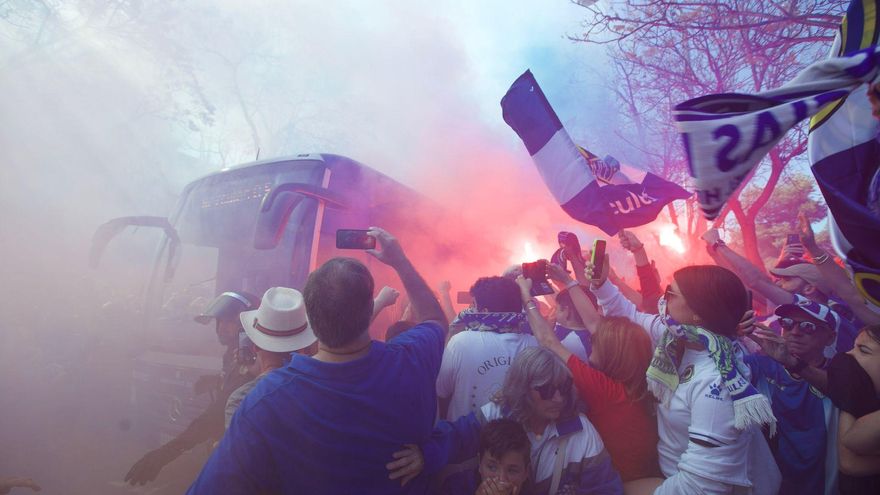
649,280
836,276
588,313
420,295
446,300
386,297
774,346
749,273
540,327
613,303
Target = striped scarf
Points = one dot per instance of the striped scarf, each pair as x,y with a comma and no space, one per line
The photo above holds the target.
492,322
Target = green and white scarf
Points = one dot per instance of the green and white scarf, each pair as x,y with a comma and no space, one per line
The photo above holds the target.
750,407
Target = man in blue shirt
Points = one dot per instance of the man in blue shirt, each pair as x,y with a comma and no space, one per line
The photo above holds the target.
805,445
330,423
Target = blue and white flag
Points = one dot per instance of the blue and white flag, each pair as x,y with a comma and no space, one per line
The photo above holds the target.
600,192
726,135
845,154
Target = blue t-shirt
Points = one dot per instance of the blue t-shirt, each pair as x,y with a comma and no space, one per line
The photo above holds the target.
329,428
805,418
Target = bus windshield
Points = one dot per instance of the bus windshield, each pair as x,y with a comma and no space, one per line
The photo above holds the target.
216,219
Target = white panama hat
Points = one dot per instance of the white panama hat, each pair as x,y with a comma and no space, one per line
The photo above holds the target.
280,323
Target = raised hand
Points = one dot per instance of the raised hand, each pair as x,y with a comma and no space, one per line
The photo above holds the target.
805,232
747,324
391,253
558,274
772,344
387,296
525,287
711,236
599,281
629,241
494,486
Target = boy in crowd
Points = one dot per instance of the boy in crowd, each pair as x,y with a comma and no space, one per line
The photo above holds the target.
503,462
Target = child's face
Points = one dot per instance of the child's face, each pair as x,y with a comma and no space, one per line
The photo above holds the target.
867,353
510,468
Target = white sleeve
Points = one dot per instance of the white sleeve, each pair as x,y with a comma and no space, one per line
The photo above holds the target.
613,303
449,366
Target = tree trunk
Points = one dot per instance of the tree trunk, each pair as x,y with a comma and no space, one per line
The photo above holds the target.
748,233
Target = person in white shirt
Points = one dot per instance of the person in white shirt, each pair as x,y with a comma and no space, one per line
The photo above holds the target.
709,418
569,328
476,360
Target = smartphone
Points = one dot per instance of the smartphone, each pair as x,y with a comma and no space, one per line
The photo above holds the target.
537,272
354,239
464,297
598,258
792,239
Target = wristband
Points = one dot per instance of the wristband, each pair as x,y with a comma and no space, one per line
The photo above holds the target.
799,366
571,284
531,305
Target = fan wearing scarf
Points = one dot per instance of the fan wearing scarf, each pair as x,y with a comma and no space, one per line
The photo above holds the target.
476,359
709,416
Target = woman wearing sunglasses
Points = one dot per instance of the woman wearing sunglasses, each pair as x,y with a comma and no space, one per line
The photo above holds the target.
613,384
709,414
568,455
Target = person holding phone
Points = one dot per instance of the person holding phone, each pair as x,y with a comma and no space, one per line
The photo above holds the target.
329,423
709,417
612,383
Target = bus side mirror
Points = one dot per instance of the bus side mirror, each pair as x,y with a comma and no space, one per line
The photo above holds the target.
107,231
279,203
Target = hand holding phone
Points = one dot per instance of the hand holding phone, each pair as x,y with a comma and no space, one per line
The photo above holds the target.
537,273
597,259
354,239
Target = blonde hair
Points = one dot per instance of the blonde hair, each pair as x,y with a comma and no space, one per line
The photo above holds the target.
624,350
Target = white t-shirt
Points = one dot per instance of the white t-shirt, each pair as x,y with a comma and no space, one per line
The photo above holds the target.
574,344
701,409
473,368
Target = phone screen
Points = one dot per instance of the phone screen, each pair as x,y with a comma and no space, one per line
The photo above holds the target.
598,257
354,239
537,272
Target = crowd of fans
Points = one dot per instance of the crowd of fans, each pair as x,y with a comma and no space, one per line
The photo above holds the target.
596,389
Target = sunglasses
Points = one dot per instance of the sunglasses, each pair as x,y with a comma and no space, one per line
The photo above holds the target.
807,327
548,390
669,292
